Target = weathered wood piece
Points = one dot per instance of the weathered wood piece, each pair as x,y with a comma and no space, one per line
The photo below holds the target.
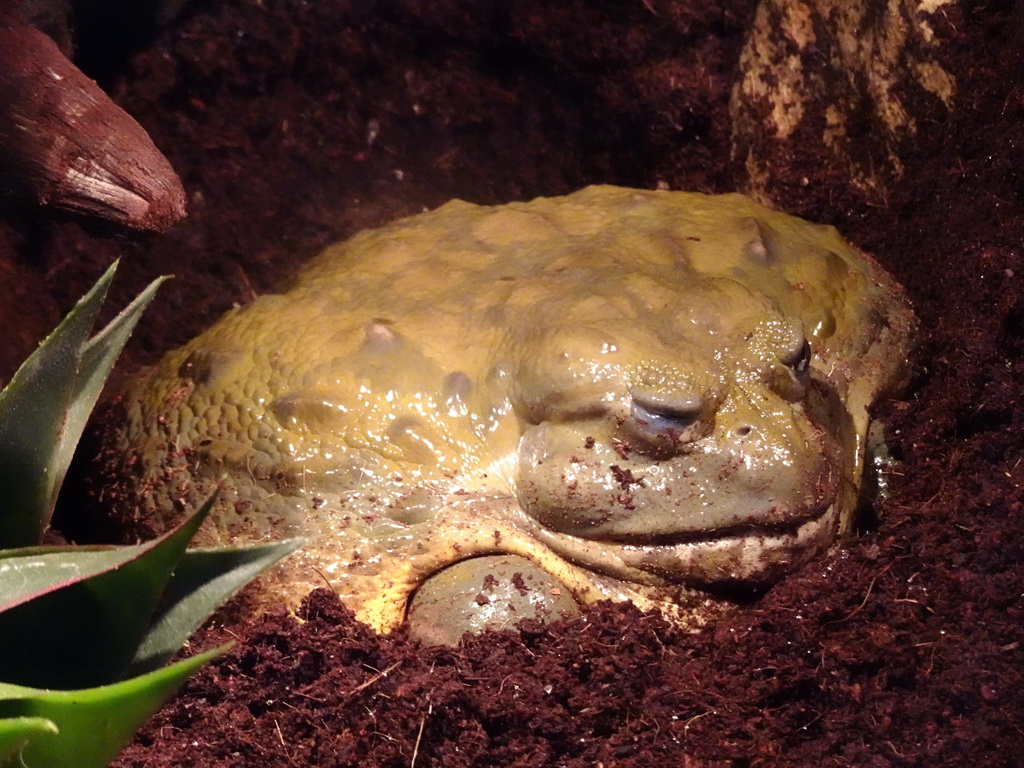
64,143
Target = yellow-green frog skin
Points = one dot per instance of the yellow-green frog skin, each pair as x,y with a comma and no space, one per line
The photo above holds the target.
645,394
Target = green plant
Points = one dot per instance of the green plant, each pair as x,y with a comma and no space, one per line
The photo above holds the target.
85,632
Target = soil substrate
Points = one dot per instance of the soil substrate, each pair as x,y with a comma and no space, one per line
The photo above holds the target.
296,123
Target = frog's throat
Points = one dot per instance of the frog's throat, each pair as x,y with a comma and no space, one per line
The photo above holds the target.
591,570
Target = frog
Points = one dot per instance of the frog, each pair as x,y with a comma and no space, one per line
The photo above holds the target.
480,414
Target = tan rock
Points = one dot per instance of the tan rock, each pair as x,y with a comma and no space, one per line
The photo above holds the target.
852,76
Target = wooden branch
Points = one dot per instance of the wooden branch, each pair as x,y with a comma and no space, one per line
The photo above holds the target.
63,142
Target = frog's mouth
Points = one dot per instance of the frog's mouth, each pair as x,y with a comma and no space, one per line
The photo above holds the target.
703,519
749,497
748,555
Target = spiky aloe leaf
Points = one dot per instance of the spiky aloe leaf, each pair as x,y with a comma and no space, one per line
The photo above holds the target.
201,583
108,607
44,408
32,572
77,617
97,621
92,724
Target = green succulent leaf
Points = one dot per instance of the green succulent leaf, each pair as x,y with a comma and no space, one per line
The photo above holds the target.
32,572
92,724
97,360
77,615
74,618
16,732
44,408
203,580
96,621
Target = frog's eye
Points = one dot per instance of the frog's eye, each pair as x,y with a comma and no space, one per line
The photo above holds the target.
661,414
664,422
792,384
799,361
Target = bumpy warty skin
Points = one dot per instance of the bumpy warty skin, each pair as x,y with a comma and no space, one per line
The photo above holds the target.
643,393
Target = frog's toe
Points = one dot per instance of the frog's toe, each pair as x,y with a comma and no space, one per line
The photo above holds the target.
493,592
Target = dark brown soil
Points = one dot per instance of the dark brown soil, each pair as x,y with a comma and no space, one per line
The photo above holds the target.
294,123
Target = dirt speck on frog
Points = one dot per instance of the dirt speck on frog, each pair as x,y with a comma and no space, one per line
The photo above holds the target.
615,394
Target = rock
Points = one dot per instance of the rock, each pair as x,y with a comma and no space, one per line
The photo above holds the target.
854,77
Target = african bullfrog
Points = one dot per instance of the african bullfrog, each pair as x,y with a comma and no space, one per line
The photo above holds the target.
508,411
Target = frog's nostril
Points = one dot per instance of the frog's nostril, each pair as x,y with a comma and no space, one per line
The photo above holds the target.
743,431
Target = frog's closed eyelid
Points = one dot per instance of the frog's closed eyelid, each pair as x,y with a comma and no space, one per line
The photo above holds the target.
678,408
658,423
560,408
666,421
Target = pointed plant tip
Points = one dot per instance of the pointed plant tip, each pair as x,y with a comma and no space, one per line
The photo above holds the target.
89,725
45,406
201,583
223,648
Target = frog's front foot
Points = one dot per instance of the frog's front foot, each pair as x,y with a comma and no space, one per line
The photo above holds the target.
492,592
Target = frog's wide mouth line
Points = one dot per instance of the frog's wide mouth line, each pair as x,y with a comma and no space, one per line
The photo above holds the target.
738,554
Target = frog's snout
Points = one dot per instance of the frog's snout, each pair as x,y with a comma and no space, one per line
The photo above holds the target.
680,464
